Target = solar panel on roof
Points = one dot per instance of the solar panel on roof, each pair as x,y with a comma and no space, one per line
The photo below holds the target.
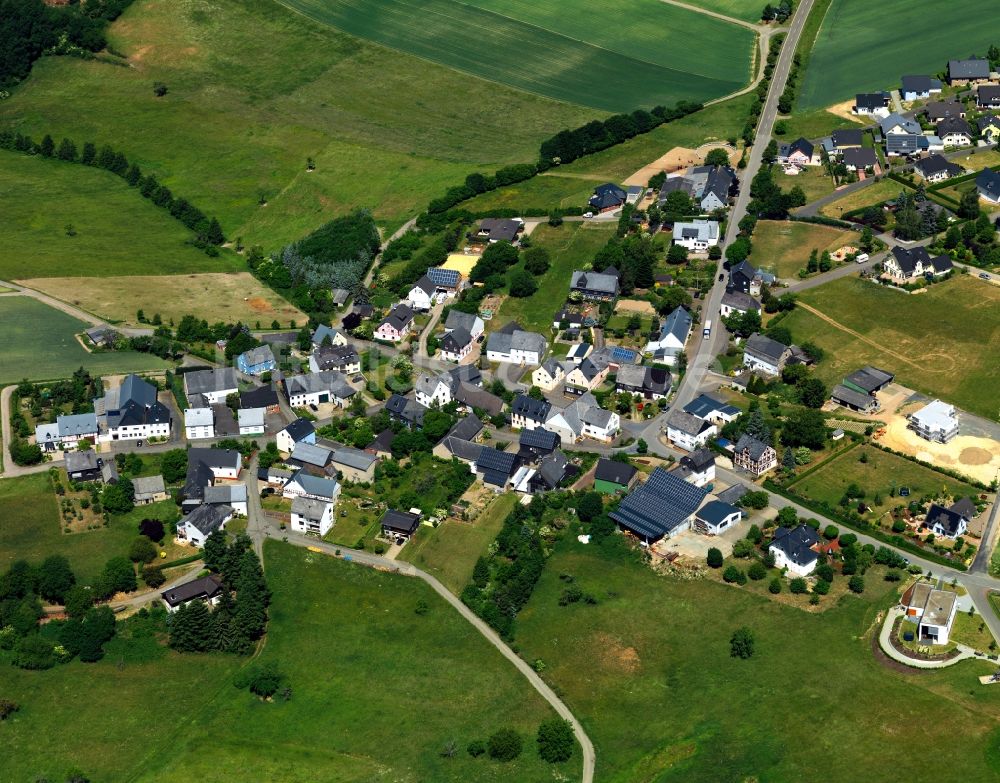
626,354
447,277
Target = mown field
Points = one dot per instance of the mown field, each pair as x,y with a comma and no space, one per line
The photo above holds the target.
649,673
876,193
943,342
387,130
784,246
861,48
378,690
569,51
40,344
114,230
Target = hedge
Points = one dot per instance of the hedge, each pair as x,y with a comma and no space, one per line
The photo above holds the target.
821,220
181,561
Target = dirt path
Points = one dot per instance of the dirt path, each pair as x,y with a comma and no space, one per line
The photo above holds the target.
860,336
757,28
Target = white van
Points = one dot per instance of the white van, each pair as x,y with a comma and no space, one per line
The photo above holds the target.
861,257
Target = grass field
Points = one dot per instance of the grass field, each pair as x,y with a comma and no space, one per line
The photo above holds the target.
386,130
544,192
783,247
747,10
877,193
356,656
116,230
814,124
879,474
571,246
648,671
957,364
861,49
569,51
40,344
214,297
815,182
450,550
30,529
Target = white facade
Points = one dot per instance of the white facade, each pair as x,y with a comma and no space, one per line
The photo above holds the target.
696,235
440,394
687,441
199,423
936,421
757,364
139,432
782,561
306,519
251,421
605,433
192,534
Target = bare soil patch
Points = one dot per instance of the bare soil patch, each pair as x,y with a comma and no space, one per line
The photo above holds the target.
613,654
843,110
679,158
636,306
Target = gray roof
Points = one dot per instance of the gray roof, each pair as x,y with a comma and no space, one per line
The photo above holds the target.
463,449
870,378
331,381
698,460
801,144
847,395
310,508
458,320
705,230
614,472
935,164
77,424
733,493
715,511
426,285
719,181
400,521
299,429
467,428
529,407
687,423
989,181
259,355
860,158
920,84
206,587
739,300
704,405
678,323
964,508
316,485
906,143
796,543
764,347
552,467
399,317
474,397
597,417
953,125
974,68
631,376
505,229
539,439
311,454
354,458
948,519
658,506
594,281
77,461
226,494
754,448
147,486
322,332
215,458
334,357
910,126
936,110
204,381
207,519
528,341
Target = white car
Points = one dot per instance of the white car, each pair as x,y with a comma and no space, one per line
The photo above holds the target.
588,214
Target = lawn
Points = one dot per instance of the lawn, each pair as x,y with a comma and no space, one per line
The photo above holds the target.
41,345
876,193
538,194
568,51
648,671
815,182
814,124
213,297
571,246
115,230
879,474
860,48
30,528
958,365
356,655
240,119
971,631
450,550
783,246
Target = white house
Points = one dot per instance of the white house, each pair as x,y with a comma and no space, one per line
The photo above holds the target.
689,432
954,132
707,407
299,431
528,413
251,421
762,354
213,385
421,296
673,336
311,516
792,549
309,486
395,326
919,87
131,411
697,468
341,357
696,235
456,344
716,517
316,388
933,610
208,589
433,390
232,495
582,418
199,423
935,421
515,346
548,376
905,264
67,432
737,302
323,331
945,522
202,522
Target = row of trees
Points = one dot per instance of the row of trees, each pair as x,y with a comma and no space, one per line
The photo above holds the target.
208,232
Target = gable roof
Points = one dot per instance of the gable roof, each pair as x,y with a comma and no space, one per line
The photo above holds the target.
311,454
400,521
936,164
458,320
906,143
399,317
973,68
530,408
553,467
660,505
446,278
869,379
755,449
207,519
949,520
426,285
594,281
871,100
76,424
740,300
704,405
147,486
989,181
322,332
614,472
475,397
500,228
204,381
77,461
764,347
206,587
311,508
936,110
953,125
353,458
686,423
539,439
678,324
920,84
331,381
796,543
698,460
261,397
299,429
316,485
608,195
964,507
860,157
494,460
715,511
847,137
456,340
893,120
801,144
466,450
262,354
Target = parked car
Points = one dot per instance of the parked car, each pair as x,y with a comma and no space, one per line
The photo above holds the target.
312,405
861,257
138,445
983,276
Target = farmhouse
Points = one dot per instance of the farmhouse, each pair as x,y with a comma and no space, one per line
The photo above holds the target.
299,431
954,132
800,152
316,388
715,517
400,524
904,264
256,361
707,407
342,358
213,385
149,489
755,457
499,229
595,286
871,103
586,376
514,346
689,432
652,383
607,197
664,506
199,423
737,302
697,235
945,522
67,432
935,421
131,411
612,477
988,185
83,466
202,522
793,549
207,588
395,326
456,344
970,71
327,335
762,354
697,468
933,610
470,322
936,168
919,87
311,516
548,376
673,336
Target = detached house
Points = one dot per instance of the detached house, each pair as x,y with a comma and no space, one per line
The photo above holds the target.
311,516
707,407
988,185
213,385
612,477
421,296
400,524
919,87
586,376
405,410
936,111
762,354
67,432
499,229
205,468
689,432
744,278
456,344
583,418
989,128
202,522
861,159
970,71
199,423
324,334
945,522
696,235
954,132
471,322
932,610
132,412
916,262
256,361
83,466
447,281
652,383
316,388
697,468
793,549
662,507
672,338
208,589
936,168
548,376
607,197
395,326
753,456
299,431
737,302
496,468
988,96
871,103
595,286
342,358
936,421
800,152
514,346
717,189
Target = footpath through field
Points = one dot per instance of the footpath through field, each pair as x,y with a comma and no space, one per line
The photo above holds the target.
859,336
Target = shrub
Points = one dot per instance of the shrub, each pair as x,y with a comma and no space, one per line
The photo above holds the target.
142,550
476,748
822,587
714,558
824,571
757,571
733,574
8,707
504,745
555,740
830,532
741,643
264,680
775,586
892,576
856,584
152,529
34,652
153,576
743,548
798,585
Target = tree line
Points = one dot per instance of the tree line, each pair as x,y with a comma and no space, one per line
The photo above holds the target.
208,232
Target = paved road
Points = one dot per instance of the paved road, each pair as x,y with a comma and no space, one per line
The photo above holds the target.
981,563
428,330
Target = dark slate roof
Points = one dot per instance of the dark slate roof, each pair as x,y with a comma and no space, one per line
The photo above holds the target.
607,195
406,408
334,357
704,405
801,144
529,407
467,428
871,100
463,449
207,519
496,461
539,439
500,228
400,521
920,84
261,397
948,519
614,472
847,137
796,543
553,468
753,446
398,317
594,281
658,506
205,588
686,423
989,181
299,429
953,125
699,460
938,110
79,461
860,157
869,379
975,68
457,319
474,397
744,269
733,494
964,508
764,347
383,441
720,179
907,260
988,95
455,340
846,394
714,511
986,121
935,164
468,373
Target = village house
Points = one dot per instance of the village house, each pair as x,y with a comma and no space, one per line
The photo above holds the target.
67,432
327,335
989,128
456,344
551,471
233,496
607,198
672,338
342,358
131,411
548,376
260,398
871,104
528,413
707,407
207,467
744,278
577,353
583,418
988,185
762,354
662,507
908,264
447,281
496,468
307,485
737,302
214,385
586,376
932,610
256,361
919,87
354,464
945,522
697,468
250,421
311,516
83,466
421,295
149,489
595,286
696,235
201,523
936,168
207,589
537,443
971,71
400,525
651,383
299,431
395,326
471,322
317,388
715,517
718,186
935,111
988,96
954,132
612,477
800,152
689,432
512,345
793,549
861,159
406,410
755,457
199,423
312,457
499,229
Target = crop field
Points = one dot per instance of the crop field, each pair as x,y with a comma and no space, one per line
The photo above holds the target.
747,10
648,672
114,229
40,344
240,119
214,297
861,48
943,342
783,246
569,51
